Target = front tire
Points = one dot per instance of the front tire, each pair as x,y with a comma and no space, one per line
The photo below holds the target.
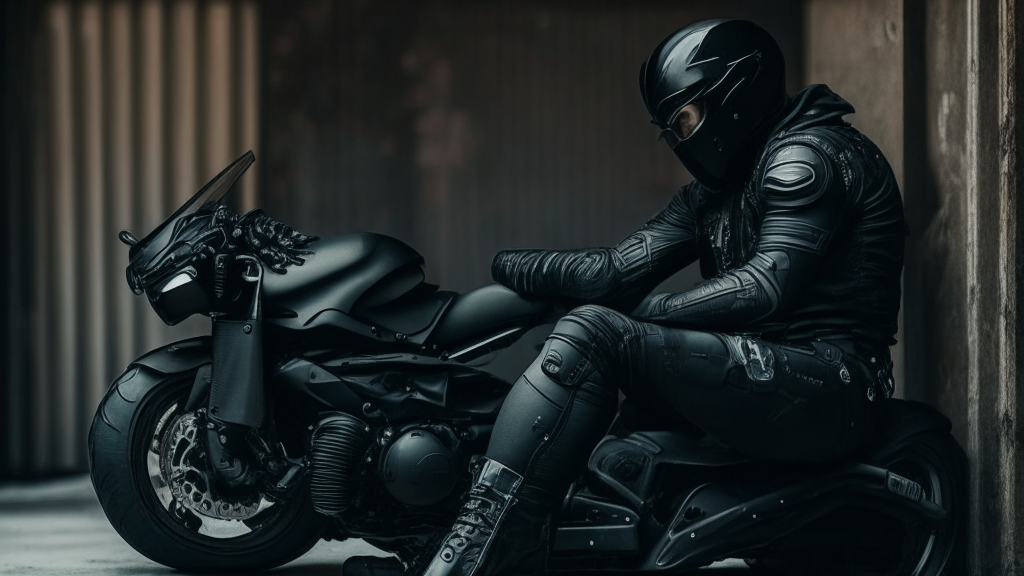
140,432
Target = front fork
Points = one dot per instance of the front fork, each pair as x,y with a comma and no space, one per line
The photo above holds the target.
236,404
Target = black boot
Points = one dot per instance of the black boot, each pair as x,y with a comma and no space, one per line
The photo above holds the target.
497,532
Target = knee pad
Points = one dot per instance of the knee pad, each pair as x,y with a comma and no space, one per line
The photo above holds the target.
579,341
563,382
565,363
607,339
587,346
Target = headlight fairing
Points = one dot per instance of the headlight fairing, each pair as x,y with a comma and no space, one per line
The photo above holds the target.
179,297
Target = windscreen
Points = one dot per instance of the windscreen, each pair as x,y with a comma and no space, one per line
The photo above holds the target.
211,193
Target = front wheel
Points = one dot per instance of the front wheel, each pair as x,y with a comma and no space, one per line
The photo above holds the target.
146,459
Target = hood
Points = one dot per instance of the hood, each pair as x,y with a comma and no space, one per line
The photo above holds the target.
815,105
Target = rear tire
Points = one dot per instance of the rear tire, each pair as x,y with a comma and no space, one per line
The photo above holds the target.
858,542
131,422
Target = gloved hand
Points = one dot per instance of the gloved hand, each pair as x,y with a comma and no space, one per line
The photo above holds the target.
277,245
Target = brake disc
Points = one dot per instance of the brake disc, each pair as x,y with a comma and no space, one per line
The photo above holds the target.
182,463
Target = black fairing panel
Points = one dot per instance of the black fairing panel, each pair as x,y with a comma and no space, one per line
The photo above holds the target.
404,386
629,466
410,314
484,311
340,271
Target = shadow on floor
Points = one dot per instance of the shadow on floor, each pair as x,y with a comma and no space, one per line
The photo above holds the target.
56,528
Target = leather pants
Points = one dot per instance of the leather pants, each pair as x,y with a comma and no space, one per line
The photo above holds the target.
782,401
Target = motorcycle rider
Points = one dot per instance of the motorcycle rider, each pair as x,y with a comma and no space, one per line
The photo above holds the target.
782,353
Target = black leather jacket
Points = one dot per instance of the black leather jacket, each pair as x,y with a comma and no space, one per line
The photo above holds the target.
810,246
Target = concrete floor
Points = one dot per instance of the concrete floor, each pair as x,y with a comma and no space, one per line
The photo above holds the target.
57,528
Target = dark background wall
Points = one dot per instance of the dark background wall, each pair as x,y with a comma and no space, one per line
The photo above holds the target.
115,112
467,127
965,344
18,22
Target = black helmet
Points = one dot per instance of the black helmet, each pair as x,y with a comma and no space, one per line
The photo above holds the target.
734,71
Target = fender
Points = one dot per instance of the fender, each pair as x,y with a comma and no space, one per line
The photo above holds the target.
145,372
902,420
178,357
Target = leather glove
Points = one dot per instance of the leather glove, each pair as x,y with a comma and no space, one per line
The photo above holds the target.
277,245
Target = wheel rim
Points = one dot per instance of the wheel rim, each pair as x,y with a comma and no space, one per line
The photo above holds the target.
920,543
925,474
175,465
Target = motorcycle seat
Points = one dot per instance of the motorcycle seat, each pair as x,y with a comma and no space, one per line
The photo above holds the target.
483,313
903,419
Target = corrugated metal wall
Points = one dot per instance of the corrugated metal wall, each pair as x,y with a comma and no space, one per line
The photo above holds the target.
135,105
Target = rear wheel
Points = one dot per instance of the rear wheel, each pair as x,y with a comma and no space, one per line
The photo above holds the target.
147,460
862,542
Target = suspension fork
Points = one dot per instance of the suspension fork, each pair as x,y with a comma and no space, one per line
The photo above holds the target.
236,404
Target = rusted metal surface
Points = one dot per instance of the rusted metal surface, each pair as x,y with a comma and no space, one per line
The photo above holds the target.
464,128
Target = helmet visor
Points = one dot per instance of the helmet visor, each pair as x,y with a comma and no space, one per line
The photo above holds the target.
687,119
684,123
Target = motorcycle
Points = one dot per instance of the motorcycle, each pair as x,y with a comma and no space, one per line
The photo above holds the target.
341,396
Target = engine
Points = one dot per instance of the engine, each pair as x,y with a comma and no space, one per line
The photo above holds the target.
418,468
339,442
418,464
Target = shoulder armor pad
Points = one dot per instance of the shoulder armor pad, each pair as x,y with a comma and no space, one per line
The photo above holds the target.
796,176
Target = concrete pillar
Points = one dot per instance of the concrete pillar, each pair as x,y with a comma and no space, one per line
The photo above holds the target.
963,259
936,84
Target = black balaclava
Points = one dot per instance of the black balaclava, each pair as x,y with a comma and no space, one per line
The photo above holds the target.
735,71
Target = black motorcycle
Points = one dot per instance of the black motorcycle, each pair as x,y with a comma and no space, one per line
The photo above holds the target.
340,396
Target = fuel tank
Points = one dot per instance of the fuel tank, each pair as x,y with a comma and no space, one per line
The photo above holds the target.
368,290
361,268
